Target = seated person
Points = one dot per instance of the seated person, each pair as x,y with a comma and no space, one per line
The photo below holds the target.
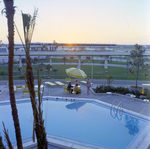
76,84
69,88
76,89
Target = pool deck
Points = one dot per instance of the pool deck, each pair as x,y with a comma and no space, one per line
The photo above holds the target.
138,106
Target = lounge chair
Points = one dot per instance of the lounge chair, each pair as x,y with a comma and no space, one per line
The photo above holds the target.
68,79
84,82
50,83
65,88
18,87
14,88
25,87
146,86
59,83
27,92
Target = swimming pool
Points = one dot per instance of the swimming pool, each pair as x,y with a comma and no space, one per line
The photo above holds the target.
86,122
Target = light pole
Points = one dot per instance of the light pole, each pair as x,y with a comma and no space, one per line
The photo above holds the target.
91,69
106,75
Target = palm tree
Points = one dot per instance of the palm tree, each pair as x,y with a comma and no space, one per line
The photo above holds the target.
1,144
28,26
10,11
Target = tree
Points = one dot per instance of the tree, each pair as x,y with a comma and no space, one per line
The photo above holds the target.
23,60
55,44
109,79
28,26
48,68
44,47
10,11
3,73
136,61
64,59
55,70
41,67
36,59
146,70
39,129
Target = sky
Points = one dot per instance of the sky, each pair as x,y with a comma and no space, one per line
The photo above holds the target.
84,21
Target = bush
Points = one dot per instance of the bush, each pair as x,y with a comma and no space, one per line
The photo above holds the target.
148,94
104,89
136,93
121,90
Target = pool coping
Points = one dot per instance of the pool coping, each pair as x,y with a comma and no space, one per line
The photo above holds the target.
61,143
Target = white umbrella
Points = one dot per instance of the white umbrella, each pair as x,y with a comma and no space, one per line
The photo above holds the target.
76,72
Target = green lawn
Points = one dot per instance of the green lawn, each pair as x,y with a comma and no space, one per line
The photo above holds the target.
98,72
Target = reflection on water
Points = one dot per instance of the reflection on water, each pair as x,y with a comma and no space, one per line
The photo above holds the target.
132,124
75,105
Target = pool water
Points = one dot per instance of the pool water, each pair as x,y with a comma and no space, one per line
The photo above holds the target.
87,122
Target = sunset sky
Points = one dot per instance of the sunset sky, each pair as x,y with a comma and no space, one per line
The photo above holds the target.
84,21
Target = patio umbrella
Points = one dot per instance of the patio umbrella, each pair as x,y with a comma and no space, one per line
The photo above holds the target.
76,72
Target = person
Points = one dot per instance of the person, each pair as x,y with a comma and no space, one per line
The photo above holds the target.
77,88
76,84
69,88
88,84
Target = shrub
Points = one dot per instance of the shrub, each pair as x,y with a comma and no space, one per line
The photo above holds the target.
104,89
121,90
137,93
148,94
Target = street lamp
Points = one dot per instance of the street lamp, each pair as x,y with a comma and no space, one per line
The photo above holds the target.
106,75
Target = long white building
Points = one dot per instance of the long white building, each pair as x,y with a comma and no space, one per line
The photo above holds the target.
67,49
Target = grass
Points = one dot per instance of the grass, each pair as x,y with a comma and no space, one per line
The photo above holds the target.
117,63
98,71
126,58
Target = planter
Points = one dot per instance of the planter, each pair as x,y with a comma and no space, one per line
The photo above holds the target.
134,89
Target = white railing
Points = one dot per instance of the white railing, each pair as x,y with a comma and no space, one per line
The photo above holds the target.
120,107
116,111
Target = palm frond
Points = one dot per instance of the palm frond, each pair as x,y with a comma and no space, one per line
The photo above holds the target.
7,137
28,27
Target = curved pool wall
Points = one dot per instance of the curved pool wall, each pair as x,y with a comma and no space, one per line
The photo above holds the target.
84,122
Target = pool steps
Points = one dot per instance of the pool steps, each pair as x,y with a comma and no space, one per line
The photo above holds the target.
116,110
118,107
